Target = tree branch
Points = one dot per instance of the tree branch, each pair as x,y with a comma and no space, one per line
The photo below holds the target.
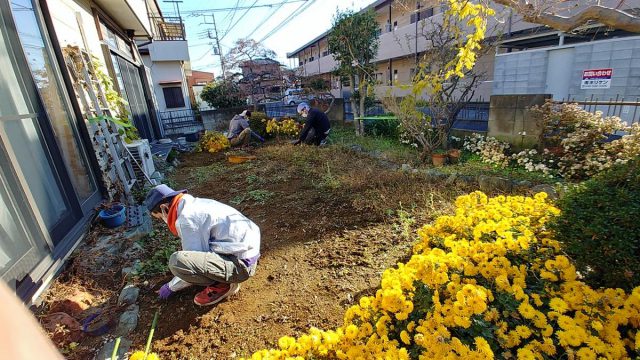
608,16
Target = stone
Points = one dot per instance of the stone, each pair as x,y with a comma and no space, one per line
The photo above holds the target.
106,350
128,320
523,185
546,188
434,175
131,271
465,180
356,147
451,179
128,295
74,304
405,167
490,184
62,328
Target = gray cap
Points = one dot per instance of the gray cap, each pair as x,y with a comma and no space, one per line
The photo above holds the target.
159,193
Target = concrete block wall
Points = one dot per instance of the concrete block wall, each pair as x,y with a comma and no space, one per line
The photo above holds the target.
525,72
520,73
622,55
511,120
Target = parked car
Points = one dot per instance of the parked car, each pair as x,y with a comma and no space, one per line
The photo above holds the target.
294,96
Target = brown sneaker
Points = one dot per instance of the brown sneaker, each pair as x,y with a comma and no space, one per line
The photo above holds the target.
215,293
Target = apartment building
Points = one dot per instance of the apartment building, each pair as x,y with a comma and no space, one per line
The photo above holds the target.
401,44
528,58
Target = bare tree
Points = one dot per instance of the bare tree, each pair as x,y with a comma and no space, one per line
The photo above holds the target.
248,50
546,12
444,99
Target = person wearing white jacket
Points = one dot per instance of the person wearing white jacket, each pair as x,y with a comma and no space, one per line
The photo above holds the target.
220,246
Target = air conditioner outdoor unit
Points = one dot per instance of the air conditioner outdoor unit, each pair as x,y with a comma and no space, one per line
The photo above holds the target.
141,151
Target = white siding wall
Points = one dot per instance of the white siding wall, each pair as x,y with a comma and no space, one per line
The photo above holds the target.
63,13
162,71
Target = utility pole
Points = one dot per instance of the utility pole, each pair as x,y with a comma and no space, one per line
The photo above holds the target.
176,6
219,48
215,29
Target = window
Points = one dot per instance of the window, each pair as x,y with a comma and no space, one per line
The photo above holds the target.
173,97
311,58
423,14
325,53
395,74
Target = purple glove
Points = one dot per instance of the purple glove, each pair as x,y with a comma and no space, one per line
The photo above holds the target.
164,293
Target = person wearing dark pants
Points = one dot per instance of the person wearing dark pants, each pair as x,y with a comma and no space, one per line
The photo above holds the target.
316,127
220,246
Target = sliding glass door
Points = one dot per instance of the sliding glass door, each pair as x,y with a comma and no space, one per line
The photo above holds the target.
46,183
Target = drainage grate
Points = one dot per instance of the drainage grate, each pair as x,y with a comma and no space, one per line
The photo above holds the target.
135,215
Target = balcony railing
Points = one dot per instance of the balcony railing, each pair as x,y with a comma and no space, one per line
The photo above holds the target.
168,28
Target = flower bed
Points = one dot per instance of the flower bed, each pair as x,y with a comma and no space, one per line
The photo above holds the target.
212,142
489,281
577,144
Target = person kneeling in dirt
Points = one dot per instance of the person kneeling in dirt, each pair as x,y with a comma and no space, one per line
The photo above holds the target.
316,127
239,130
220,246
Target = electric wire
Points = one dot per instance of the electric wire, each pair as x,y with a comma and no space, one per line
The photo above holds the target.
284,22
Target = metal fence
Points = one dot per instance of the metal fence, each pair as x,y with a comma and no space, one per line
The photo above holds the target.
180,122
279,109
626,109
473,117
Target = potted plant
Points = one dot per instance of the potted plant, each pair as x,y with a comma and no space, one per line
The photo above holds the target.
439,157
454,155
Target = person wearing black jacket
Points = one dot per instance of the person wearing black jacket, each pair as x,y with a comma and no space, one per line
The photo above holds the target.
316,127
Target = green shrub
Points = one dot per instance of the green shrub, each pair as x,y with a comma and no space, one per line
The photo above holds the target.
258,125
382,127
601,229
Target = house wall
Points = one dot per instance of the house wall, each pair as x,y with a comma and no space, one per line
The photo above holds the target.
63,14
175,50
162,71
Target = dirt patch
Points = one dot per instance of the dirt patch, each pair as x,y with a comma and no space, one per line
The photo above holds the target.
331,220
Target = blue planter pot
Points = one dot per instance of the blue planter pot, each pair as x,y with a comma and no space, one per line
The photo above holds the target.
114,216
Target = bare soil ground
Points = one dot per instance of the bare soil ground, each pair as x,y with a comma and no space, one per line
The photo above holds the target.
332,220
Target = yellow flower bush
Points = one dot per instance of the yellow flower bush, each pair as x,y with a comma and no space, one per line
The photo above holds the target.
212,142
487,282
288,127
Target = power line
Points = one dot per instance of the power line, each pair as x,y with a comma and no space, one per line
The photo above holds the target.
264,20
233,14
284,22
236,23
203,11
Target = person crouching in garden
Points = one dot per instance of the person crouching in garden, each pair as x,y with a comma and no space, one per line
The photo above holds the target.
239,130
316,126
220,246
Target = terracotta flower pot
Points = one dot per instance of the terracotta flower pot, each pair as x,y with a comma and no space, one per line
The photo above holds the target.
454,155
438,159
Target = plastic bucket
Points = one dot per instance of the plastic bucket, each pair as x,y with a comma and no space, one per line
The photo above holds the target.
113,216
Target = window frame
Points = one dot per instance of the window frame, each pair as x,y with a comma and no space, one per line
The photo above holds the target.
179,99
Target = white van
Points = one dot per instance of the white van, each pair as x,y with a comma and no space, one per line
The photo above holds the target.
293,96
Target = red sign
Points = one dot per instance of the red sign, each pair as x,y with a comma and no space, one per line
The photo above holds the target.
596,79
597,74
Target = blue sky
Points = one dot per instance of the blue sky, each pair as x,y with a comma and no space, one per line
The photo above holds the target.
315,19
